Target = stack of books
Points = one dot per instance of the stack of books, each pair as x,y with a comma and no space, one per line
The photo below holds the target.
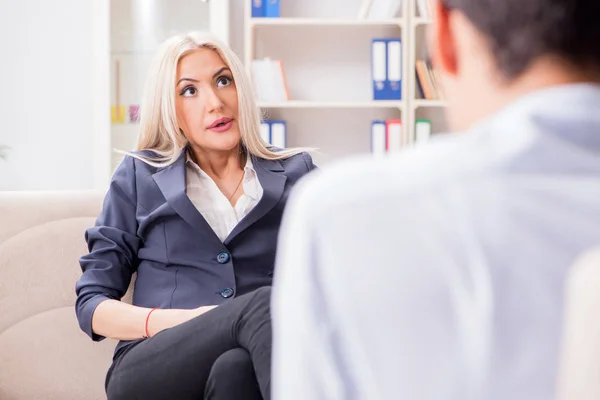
428,81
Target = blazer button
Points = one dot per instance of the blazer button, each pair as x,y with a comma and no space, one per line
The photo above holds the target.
227,293
223,257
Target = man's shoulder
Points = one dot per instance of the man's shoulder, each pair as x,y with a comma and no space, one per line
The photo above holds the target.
365,179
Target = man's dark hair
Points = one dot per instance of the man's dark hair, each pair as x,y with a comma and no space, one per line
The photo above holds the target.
519,31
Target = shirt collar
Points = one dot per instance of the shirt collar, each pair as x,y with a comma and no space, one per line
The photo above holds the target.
576,123
249,180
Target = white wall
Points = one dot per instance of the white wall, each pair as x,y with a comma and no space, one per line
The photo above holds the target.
46,90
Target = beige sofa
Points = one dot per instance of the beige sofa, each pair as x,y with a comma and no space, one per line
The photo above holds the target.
43,353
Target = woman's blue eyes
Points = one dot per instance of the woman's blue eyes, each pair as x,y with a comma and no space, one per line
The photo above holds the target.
222,81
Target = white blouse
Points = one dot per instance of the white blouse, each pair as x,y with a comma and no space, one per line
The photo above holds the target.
212,203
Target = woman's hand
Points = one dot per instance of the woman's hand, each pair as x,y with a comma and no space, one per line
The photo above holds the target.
169,318
122,321
203,309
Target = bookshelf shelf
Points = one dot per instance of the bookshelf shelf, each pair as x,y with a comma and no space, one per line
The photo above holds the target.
323,22
421,21
428,103
332,104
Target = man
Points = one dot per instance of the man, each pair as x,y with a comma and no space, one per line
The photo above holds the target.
438,273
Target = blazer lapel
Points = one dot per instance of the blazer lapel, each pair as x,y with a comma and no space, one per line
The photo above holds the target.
172,183
272,180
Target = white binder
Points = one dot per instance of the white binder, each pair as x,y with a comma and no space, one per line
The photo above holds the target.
265,131
394,69
394,136
278,134
378,68
378,138
422,131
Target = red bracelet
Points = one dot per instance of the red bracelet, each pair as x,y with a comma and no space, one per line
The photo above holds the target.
147,319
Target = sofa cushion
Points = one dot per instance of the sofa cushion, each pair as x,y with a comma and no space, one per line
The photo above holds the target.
40,267
43,353
46,356
23,210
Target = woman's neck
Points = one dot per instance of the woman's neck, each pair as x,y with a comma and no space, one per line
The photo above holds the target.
219,165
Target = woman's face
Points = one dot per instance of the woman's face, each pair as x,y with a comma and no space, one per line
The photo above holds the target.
206,101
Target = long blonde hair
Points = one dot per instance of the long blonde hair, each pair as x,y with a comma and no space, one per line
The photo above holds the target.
159,130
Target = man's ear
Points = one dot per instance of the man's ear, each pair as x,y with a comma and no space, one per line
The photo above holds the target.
442,40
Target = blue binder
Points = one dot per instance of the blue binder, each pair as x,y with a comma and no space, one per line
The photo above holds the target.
393,89
379,68
386,68
272,8
258,8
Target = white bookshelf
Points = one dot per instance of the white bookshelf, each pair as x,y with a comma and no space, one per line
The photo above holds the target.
433,110
326,54
416,21
418,103
323,22
311,36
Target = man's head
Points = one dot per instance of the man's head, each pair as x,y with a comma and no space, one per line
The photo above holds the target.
491,51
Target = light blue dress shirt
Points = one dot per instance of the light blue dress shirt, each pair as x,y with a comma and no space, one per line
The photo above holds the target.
438,273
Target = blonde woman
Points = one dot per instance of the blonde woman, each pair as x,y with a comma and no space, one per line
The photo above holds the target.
195,211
